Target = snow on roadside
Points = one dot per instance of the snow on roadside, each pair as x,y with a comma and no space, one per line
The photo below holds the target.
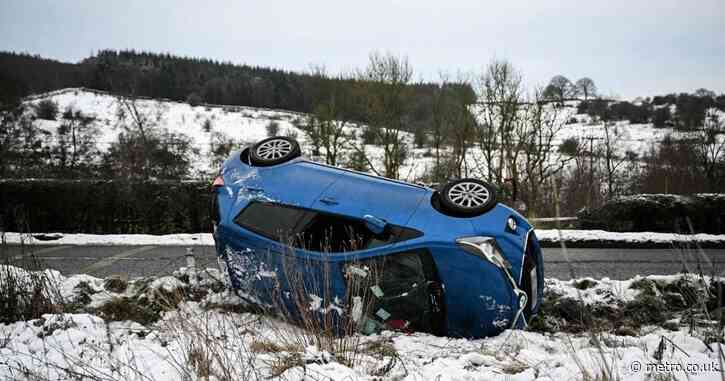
206,239
570,235
199,340
190,239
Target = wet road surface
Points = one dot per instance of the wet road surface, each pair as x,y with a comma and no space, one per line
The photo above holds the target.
136,261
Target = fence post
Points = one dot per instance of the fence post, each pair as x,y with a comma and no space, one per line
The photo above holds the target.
191,265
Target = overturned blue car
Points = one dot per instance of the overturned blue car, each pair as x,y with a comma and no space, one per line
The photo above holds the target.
354,252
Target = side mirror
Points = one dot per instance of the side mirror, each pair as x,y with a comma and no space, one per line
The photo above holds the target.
374,224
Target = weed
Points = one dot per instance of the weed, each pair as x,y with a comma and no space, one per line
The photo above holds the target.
27,292
584,284
645,286
644,310
285,362
266,346
124,308
115,284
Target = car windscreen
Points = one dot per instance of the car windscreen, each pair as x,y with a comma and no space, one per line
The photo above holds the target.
316,231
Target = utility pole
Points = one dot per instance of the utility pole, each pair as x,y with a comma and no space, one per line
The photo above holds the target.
590,193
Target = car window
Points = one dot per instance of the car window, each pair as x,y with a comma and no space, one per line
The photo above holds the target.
334,234
270,221
397,291
316,231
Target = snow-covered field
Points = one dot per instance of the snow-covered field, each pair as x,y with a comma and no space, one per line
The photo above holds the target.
206,239
206,335
246,125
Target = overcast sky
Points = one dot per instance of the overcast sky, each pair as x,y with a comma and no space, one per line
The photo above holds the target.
629,47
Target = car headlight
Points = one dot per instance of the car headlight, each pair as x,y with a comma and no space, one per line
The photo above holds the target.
511,224
486,248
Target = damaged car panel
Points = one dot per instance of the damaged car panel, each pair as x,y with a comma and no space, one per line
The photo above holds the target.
370,253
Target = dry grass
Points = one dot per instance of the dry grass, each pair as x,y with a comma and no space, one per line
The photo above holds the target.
28,293
331,326
266,346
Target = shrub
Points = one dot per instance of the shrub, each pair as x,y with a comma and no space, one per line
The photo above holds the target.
659,213
370,135
120,309
272,128
206,126
569,147
106,207
46,109
194,99
24,294
420,137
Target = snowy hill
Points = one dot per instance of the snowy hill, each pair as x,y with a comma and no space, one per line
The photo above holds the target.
207,125
243,125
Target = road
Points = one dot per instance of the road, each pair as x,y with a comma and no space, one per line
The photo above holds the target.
135,261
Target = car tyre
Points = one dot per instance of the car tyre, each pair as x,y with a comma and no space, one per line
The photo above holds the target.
467,197
273,151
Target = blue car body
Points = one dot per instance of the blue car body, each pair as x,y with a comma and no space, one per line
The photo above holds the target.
477,298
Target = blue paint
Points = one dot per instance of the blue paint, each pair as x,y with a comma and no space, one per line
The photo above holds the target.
478,298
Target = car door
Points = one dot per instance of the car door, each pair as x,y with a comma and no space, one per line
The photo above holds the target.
356,195
299,183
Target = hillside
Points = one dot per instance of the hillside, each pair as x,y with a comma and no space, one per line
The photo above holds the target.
185,78
246,125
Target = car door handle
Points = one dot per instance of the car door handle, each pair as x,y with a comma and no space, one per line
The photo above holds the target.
329,201
254,189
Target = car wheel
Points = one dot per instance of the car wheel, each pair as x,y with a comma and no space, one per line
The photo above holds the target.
467,197
273,151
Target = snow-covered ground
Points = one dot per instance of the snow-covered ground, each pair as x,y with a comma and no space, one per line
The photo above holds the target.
246,125
206,239
205,335
553,235
239,124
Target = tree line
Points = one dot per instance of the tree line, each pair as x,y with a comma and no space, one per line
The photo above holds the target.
488,124
193,80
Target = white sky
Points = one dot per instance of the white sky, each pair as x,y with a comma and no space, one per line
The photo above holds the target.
629,47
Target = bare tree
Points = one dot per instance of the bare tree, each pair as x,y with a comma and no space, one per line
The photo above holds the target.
386,79
310,127
541,163
453,123
462,124
704,93
586,87
140,121
331,118
710,148
140,125
612,160
76,142
500,99
439,124
560,88
22,148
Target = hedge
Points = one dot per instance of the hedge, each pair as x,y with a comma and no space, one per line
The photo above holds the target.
105,207
698,213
